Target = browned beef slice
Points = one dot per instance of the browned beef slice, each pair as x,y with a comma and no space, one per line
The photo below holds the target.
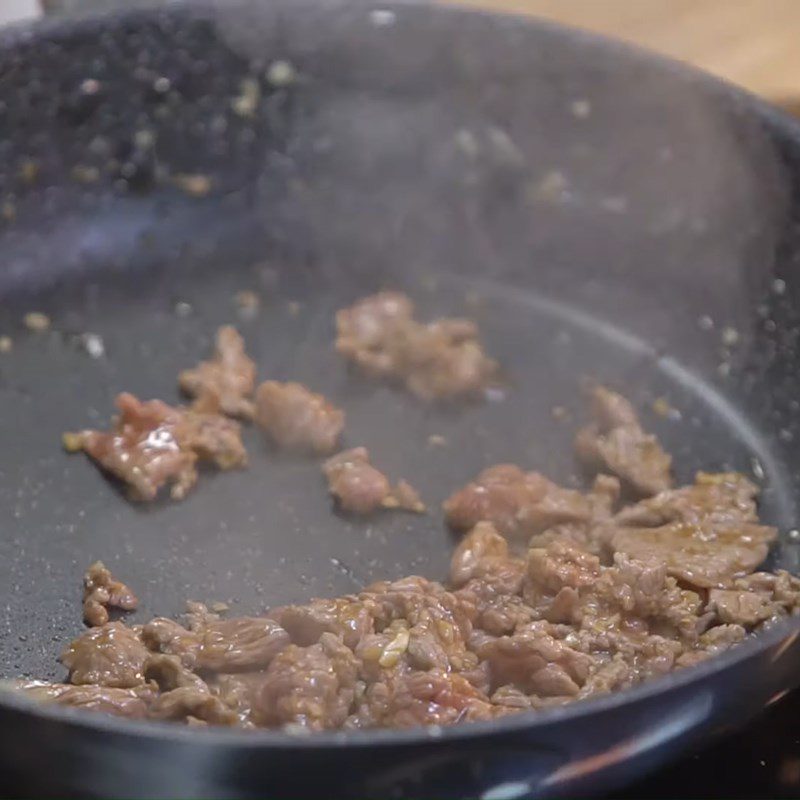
756,598
194,702
714,641
360,488
227,379
238,691
439,360
168,673
296,418
344,616
162,635
142,449
152,445
214,439
101,590
705,534
367,329
130,703
518,503
536,661
309,686
615,442
433,697
111,655
241,644
469,560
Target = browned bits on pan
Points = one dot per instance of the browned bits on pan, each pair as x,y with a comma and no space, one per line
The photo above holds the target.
102,590
295,418
360,488
439,360
227,379
152,445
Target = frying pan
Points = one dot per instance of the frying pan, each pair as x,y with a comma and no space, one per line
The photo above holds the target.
600,212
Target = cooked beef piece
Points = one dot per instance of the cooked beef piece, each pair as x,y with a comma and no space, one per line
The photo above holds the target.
705,533
756,598
131,703
360,488
238,691
227,379
519,504
296,418
214,439
344,616
615,442
726,497
100,590
152,445
439,360
711,643
242,644
112,655
163,635
477,550
536,662
168,673
191,702
313,687
421,698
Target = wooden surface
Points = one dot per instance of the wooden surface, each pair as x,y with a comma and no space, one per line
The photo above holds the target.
755,43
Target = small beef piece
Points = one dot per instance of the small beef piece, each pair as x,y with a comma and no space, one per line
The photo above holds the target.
238,691
724,497
227,379
707,534
480,545
169,673
714,641
615,442
152,445
111,655
741,608
100,590
434,697
241,644
756,598
436,361
367,330
143,449
130,703
214,439
162,635
360,488
704,554
309,686
296,418
344,616
195,703
445,359
535,661
519,504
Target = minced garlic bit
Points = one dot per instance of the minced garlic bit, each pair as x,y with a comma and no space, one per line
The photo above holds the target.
36,321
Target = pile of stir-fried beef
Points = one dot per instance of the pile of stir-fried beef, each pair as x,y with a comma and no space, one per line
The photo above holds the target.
554,594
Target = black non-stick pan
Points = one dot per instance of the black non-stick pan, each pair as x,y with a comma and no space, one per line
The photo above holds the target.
601,213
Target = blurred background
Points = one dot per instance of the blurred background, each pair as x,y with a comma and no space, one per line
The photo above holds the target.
750,42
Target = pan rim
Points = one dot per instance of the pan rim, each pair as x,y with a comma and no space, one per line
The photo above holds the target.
780,636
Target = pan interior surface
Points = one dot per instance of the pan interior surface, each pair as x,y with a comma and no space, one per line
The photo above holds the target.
269,535
498,188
